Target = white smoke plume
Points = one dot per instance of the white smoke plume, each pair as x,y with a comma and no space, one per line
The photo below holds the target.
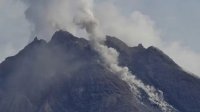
85,19
49,15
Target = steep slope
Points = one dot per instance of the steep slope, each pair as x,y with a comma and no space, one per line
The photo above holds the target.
153,67
66,75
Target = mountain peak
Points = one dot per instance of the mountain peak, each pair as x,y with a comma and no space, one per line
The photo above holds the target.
117,44
36,42
113,41
157,53
35,39
66,74
62,36
67,39
140,46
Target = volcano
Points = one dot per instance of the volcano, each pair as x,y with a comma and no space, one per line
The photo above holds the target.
66,75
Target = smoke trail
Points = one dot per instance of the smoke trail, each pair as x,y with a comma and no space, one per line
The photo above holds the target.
85,19
43,14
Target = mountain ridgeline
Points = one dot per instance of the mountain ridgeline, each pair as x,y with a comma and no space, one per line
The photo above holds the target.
66,75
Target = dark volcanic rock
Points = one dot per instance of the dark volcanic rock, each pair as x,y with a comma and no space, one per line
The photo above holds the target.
66,75
153,67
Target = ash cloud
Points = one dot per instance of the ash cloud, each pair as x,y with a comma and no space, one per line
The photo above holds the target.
85,19
47,16
133,27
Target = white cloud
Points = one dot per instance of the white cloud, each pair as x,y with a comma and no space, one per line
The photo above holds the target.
184,56
139,28
132,29
14,29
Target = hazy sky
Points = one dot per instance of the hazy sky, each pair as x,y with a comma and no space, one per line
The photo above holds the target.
175,20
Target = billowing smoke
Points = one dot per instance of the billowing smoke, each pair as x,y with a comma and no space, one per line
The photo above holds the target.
49,15
85,19
46,16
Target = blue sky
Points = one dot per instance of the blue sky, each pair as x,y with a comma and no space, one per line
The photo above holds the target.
176,22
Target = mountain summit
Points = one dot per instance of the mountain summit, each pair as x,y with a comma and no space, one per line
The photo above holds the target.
66,75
